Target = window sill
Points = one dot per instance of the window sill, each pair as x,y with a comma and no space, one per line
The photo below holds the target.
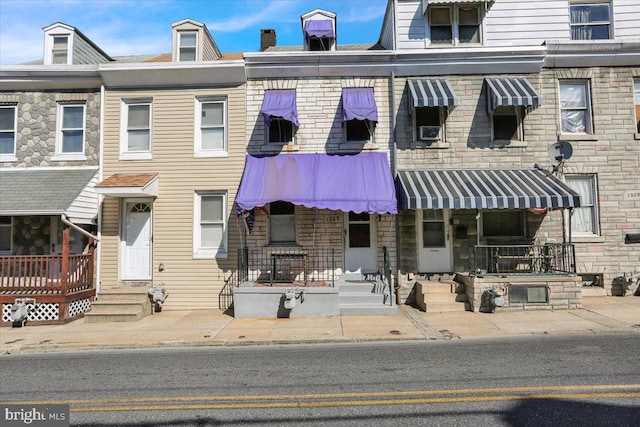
8,158
135,156
577,137
356,145
501,143
587,239
431,144
203,154
69,158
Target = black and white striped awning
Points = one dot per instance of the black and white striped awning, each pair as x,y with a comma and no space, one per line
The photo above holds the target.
483,189
511,91
431,93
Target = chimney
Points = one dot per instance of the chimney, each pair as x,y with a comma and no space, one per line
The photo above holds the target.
267,38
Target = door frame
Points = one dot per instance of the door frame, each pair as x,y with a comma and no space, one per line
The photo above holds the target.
123,238
373,236
448,240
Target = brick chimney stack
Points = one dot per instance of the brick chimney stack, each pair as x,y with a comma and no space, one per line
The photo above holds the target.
267,38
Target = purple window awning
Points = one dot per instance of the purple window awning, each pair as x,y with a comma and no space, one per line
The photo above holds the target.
359,104
280,103
356,183
319,28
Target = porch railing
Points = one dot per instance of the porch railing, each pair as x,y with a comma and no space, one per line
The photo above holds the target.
551,258
43,274
302,266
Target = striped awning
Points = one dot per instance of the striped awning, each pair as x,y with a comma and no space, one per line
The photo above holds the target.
511,91
431,93
483,189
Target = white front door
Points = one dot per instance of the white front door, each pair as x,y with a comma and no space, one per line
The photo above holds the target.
136,242
434,241
360,246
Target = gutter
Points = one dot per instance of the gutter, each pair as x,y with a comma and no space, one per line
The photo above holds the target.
79,229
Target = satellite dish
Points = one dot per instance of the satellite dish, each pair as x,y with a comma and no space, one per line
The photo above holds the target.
561,150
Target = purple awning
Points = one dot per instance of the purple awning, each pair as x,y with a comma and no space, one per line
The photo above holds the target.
280,103
359,104
319,28
357,183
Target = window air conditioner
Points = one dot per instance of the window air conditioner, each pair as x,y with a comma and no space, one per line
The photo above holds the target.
428,133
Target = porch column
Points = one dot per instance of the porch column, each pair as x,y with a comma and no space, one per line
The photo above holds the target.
65,260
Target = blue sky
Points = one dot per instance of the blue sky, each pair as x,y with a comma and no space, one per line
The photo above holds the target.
130,27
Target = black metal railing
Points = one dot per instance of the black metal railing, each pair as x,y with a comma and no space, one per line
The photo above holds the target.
225,297
386,272
551,258
303,266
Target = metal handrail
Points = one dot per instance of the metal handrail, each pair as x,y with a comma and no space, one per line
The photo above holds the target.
550,258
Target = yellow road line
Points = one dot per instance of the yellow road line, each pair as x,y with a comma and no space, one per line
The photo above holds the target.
335,403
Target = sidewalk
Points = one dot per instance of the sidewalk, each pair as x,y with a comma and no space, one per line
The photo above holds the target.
213,328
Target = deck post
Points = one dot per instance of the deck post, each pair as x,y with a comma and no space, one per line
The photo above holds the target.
65,260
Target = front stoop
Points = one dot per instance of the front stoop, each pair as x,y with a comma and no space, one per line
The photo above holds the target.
119,305
440,297
365,298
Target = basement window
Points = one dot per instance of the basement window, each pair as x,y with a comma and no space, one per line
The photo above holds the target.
520,294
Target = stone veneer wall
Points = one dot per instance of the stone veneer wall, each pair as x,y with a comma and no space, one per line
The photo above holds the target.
36,133
31,235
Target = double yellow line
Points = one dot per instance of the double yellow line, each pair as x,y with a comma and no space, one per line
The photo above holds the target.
348,399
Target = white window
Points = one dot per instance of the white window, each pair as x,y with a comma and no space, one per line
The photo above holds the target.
135,131
636,101
456,24
590,20
575,107
60,49
70,132
8,130
210,127
506,124
584,221
359,131
210,225
428,124
5,235
187,42
280,131
282,223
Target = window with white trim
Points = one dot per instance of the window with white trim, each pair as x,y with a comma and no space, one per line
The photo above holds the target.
60,49
575,107
70,130
210,127
5,235
455,24
282,223
187,45
210,224
135,131
8,130
506,123
584,220
636,101
590,20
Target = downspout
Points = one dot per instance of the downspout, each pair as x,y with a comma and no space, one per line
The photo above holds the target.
394,163
79,229
100,196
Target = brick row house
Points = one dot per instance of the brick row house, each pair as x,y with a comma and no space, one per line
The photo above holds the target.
467,149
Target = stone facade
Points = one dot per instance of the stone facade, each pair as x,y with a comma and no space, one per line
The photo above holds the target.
37,119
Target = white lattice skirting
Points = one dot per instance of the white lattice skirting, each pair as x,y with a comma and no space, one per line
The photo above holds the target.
48,311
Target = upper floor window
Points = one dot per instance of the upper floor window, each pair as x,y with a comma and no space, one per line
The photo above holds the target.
187,45
280,131
456,24
590,20
280,114
210,224
282,223
210,123
584,220
60,50
428,124
359,114
135,132
636,98
70,130
575,107
506,124
8,130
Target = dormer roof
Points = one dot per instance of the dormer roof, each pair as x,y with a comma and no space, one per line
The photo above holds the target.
185,48
71,46
319,30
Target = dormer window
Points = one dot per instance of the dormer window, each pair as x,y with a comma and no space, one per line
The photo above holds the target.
187,45
60,50
319,34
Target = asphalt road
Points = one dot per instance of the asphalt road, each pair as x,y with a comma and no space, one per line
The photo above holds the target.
536,381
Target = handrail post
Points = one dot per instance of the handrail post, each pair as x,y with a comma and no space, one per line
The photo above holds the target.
65,260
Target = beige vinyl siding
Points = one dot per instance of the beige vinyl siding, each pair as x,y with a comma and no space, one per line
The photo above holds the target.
191,283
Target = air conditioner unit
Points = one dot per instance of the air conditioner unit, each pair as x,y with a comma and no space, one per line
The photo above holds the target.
428,133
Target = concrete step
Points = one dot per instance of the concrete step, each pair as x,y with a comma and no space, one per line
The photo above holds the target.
119,296
443,307
593,291
367,310
90,317
124,304
361,298
437,298
346,287
110,307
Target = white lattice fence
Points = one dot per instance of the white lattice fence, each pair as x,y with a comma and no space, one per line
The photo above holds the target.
37,312
79,307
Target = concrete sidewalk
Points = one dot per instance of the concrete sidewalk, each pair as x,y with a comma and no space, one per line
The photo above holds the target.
214,328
